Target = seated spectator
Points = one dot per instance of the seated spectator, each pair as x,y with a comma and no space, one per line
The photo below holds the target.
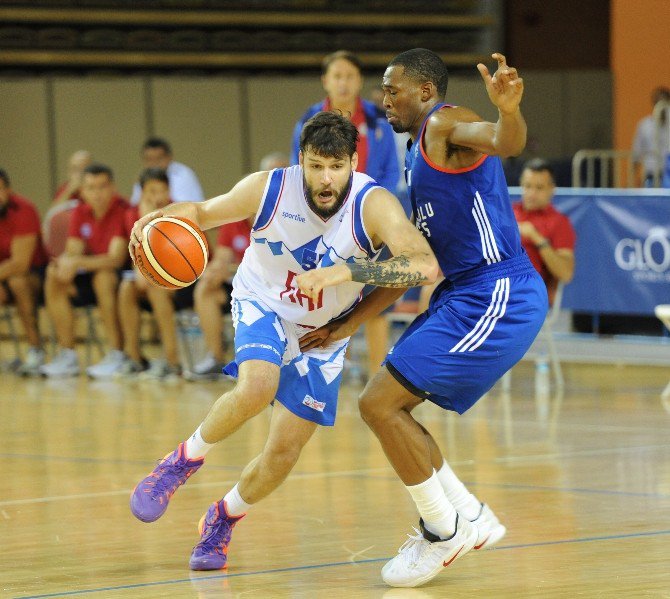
87,273
184,184
134,288
212,295
22,262
652,143
547,235
71,189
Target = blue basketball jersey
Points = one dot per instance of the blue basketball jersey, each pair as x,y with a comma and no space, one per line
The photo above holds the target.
466,214
483,318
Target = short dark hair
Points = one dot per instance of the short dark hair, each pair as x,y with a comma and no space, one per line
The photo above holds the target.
423,66
153,174
539,165
99,169
4,176
343,54
329,134
157,143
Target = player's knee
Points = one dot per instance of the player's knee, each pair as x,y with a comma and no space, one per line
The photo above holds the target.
282,457
371,410
255,395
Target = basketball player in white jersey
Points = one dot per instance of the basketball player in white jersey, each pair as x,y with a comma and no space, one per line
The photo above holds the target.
319,213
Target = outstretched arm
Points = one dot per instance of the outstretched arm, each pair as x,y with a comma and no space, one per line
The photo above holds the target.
241,202
413,261
506,137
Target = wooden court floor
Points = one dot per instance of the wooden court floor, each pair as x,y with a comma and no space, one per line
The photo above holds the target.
582,482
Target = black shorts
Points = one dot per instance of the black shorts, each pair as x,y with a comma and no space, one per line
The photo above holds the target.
39,272
183,299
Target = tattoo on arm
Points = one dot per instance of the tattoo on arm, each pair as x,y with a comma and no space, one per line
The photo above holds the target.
389,273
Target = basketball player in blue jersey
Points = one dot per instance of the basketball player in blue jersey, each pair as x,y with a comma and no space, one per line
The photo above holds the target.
481,319
315,214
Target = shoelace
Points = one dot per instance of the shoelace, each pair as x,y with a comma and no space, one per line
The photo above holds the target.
413,547
168,483
216,533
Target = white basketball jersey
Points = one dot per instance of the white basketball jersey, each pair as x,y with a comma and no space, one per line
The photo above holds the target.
288,239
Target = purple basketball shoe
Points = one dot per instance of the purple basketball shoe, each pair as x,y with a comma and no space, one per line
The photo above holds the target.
151,496
215,528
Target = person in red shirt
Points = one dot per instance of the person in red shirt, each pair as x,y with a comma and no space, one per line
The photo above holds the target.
134,287
212,295
71,188
87,272
22,260
547,235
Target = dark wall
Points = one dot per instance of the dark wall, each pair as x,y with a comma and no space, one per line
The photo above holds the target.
558,34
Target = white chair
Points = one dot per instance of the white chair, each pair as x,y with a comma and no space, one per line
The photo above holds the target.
662,312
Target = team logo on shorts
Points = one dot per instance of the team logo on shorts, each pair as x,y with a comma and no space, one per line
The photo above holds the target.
310,402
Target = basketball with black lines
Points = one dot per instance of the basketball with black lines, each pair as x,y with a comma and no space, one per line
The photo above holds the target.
173,253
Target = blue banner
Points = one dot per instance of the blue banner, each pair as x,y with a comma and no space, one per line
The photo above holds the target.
622,256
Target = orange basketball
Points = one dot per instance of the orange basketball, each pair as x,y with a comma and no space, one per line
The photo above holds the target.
173,253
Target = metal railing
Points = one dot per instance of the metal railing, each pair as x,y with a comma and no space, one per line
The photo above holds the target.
616,168
603,168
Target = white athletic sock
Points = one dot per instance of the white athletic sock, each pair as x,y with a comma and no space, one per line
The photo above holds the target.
235,505
457,493
196,447
439,516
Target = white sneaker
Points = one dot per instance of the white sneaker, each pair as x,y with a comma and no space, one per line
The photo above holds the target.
65,363
207,369
130,368
489,529
35,358
110,363
423,556
160,370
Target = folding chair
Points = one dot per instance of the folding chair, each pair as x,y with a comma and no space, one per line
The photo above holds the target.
662,312
55,227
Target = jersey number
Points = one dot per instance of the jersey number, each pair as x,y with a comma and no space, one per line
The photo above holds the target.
295,296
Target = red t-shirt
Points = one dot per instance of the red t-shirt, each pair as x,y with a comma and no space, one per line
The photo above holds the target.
358,119
74,195
97,234
132,215
236,237
552,225
20,219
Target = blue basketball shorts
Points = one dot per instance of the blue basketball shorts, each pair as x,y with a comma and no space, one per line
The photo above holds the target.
474,331
309,382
